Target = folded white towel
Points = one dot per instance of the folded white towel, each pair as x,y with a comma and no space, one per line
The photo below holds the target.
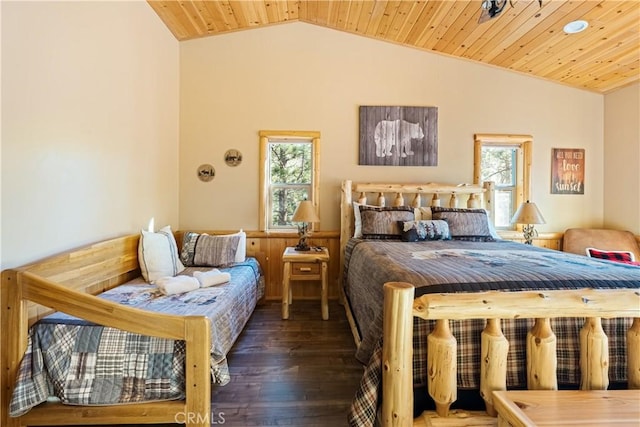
211,278
177,284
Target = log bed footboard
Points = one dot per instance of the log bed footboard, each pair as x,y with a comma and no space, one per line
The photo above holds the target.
98,267
400,307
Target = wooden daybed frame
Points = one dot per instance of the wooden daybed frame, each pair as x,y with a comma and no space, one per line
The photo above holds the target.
66,283
400,308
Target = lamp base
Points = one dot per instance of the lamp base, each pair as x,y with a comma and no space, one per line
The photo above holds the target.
529,232
303,245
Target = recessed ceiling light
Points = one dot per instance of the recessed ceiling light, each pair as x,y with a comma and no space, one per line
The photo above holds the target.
575,27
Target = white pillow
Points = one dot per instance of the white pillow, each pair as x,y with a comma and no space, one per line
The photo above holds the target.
241,251
357,221
158,254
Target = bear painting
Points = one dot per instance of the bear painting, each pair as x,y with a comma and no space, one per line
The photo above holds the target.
396,132
399,136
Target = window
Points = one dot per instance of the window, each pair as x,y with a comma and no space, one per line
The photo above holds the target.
289,174
505,160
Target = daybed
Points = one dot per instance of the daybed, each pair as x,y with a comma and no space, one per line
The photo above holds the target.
159,352
458,334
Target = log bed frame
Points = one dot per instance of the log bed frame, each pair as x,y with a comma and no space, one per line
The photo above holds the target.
401,306
66,283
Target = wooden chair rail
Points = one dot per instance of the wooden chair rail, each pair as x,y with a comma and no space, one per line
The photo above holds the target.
400,308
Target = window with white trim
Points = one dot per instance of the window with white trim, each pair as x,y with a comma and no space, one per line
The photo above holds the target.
505,160
289,174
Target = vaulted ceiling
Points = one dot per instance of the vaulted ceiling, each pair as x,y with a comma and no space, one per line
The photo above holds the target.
526,36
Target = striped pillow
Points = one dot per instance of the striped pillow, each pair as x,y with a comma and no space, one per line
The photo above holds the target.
465,224
382,222
209,251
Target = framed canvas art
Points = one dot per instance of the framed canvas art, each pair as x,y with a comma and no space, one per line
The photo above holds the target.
398,136
567,171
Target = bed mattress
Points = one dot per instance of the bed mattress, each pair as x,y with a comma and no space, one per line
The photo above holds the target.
465,266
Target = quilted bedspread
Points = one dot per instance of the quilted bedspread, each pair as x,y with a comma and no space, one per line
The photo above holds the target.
460,266
81,363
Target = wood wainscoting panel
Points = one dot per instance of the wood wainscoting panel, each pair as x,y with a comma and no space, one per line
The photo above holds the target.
267,248
301,290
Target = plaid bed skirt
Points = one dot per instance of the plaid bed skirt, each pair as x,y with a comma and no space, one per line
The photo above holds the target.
368,396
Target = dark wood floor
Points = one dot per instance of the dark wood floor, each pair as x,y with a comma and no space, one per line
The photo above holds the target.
298,372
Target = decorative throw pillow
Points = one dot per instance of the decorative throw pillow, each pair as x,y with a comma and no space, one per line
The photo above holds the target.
158,254
619,256
415,231
465,224
382,222
211,251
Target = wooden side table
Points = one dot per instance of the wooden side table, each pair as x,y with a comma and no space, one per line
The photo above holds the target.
584,408
305,265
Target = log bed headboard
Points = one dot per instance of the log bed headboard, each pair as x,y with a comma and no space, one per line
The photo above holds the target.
400,308
414,195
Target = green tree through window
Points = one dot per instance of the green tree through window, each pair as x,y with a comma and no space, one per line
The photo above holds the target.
291,174
289,165
505,160
499,166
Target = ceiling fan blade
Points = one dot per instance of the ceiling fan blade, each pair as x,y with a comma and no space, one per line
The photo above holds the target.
491,9
484,16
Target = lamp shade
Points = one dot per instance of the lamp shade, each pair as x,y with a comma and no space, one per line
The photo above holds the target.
528,213
305,212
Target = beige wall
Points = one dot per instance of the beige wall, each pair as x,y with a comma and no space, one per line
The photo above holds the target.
90,99
303,77
622,159
89,124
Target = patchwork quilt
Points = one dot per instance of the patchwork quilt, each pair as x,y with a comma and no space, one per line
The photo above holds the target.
81,363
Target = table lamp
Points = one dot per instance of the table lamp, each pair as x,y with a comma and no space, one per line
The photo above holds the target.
305,213
528,214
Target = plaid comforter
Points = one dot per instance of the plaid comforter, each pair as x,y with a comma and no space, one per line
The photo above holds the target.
86,364
458,266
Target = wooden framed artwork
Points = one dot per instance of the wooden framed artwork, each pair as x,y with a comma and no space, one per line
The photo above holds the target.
567,171
398,136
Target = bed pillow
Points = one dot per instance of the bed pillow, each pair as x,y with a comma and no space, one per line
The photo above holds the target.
416,231
465,224
211,250
158,254
241,251
423,213
618,256
382,222
357,220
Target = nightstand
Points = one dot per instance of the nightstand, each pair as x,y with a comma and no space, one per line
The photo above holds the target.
305,265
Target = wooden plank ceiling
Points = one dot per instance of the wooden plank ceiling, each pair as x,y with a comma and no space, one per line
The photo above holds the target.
526,37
